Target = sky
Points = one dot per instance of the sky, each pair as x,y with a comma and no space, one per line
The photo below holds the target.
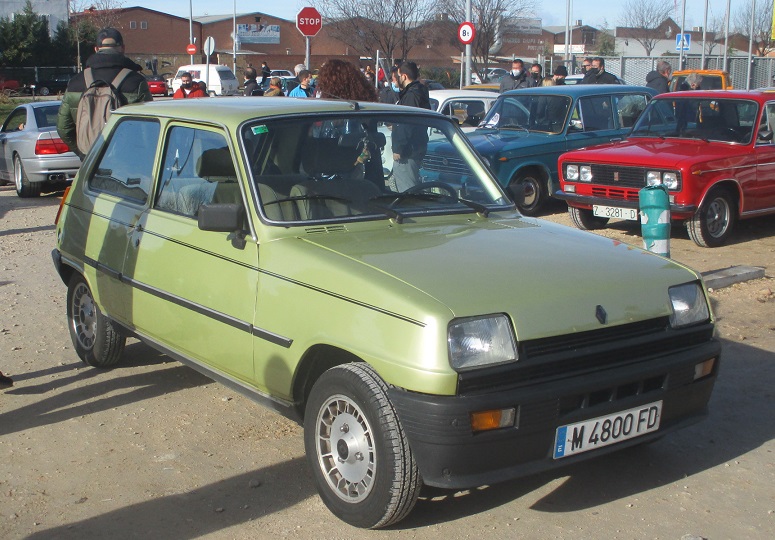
552,12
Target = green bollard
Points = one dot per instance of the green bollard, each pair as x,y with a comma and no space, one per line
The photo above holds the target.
655,219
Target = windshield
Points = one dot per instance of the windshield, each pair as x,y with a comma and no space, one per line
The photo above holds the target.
706,119
532,112
356,167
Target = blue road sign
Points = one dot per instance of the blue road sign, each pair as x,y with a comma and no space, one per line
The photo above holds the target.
683,42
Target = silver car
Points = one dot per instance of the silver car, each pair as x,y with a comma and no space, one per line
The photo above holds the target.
31,152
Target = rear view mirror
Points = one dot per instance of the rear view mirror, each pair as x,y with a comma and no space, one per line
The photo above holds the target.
221,217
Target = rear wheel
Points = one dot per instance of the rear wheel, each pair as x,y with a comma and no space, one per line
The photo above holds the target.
24,188
361,461
585,220
44,91
714,221
535,192
97,341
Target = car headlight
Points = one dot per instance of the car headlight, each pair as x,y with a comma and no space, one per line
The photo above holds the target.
480,342
670,180
585,173
658,178
653,178
571,173
689,305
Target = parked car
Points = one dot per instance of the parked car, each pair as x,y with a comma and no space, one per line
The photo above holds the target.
526,130
496,88
468,106
31,152
493,75
712,79
432,85
158,85
9,86
221,81
282,73
55,85
578,77
712,150
430,336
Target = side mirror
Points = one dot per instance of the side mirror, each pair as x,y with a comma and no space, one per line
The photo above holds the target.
221,217
764,135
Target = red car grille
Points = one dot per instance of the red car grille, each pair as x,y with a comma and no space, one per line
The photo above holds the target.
615,193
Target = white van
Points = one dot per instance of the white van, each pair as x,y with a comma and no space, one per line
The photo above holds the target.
222,80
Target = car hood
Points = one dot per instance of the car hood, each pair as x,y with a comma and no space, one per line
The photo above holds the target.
492,141
669,153
548,278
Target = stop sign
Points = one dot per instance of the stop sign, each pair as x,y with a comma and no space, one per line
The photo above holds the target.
191,48
309,22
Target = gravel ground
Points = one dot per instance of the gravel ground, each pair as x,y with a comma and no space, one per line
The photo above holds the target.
152,449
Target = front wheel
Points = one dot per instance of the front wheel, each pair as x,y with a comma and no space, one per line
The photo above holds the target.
43,91
535,195
712,224
585,220
359,455
24,188
97,341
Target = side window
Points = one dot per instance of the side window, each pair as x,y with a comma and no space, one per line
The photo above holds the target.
16,120
596,113
628,108
198,169
126,168
767,124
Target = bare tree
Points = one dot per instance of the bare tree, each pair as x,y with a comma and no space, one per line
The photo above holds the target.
643,17
762,26
715,28
87,17
371,25
491,19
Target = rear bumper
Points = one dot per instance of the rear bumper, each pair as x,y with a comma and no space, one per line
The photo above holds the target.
51,168
450,455
586,201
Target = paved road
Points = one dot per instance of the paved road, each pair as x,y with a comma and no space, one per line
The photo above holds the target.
152,449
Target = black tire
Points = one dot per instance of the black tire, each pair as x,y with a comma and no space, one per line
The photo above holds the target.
43,91
361,461
97,341
714,221
24,188
585,220
535,193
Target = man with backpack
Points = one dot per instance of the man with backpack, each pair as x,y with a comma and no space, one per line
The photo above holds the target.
114,81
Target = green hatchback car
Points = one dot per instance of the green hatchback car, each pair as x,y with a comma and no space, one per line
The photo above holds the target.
423,332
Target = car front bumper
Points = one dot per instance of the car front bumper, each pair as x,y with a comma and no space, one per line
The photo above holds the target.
680,211
450,455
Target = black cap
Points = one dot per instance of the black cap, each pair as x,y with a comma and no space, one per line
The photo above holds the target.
109,37
561,71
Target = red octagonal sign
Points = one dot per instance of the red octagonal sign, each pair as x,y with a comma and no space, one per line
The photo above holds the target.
309,22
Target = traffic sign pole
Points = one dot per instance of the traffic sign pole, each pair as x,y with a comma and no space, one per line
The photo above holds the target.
309,22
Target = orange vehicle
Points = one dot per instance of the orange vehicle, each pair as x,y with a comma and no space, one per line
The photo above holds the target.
712,79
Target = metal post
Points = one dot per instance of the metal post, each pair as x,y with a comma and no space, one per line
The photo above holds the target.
726,34
376,72
469,47
681,44
704,31
750,46
462,68
306,52
191,27
567,30
234,41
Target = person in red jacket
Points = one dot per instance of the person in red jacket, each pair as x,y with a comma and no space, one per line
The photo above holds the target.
187,88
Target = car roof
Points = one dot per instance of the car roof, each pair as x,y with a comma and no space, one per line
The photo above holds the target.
760,94
447,94
578,90
237,109
718,72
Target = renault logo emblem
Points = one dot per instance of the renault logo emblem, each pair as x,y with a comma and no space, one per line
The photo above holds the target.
616,176
601,315
445,162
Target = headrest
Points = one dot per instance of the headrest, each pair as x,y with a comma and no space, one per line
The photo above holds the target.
215,162
327,156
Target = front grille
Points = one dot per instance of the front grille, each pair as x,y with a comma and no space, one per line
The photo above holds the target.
444,164
572,355
634,177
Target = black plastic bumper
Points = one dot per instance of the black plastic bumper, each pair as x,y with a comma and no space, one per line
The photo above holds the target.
450,455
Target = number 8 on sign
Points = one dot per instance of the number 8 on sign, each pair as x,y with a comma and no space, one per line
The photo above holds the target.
466,33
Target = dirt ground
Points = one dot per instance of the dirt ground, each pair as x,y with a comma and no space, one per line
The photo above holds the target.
152,449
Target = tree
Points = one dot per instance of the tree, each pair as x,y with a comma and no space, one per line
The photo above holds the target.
24,41
491,18
371,25
87,17
606,44
715,29
642,18
762,29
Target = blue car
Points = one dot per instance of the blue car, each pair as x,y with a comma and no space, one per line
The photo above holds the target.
526,130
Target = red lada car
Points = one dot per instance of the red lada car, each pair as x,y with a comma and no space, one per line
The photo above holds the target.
713,150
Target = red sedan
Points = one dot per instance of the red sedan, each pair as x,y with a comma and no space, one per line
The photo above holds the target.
158,85
712,150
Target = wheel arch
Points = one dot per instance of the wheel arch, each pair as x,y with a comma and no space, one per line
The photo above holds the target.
730,185
539,169
316,361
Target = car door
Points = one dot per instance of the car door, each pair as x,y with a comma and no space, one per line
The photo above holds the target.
762,196
592,122
11,130
195,289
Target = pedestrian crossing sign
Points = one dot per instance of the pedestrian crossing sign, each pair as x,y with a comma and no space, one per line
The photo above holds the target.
682,42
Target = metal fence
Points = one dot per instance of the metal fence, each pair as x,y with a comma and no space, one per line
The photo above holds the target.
634,69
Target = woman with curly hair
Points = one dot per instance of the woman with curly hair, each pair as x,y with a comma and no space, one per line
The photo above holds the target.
342,80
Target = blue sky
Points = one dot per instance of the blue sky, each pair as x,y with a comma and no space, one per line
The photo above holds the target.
551,11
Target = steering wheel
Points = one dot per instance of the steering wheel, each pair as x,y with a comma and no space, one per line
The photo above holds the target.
428,185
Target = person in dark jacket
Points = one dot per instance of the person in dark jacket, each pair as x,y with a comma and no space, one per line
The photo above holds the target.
409,141
518,78
598,75
560,72
266,73
390,91
251,85
108,61
659,78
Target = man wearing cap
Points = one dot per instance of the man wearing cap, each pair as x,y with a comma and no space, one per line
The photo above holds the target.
105,64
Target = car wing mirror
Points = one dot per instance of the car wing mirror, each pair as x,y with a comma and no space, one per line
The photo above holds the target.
224,218
765,135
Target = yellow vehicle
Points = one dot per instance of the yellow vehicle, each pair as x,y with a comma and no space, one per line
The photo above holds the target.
712,79
488,87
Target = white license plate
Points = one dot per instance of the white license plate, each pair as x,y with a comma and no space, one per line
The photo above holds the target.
615,212
598,432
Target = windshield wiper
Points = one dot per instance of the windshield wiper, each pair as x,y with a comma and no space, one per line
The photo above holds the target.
478,207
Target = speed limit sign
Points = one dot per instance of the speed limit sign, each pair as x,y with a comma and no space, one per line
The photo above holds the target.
466,33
